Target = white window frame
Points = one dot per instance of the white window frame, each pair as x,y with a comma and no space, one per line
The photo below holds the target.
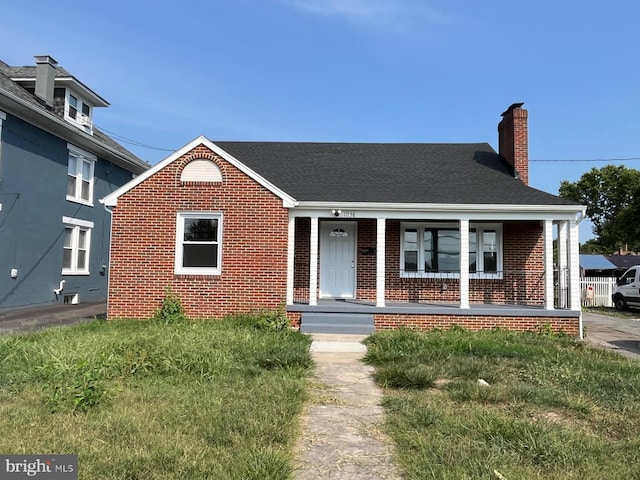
180,223
77,225
480,228
81,156
81,120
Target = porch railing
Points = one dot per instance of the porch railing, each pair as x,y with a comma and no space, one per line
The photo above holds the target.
507,287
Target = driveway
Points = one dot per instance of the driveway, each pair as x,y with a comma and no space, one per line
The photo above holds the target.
55,315
615,333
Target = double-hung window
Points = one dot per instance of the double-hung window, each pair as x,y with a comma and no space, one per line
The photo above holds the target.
76,246
78,111
199,243
433,250
80,176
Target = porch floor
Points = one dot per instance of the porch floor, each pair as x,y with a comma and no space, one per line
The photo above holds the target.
340,305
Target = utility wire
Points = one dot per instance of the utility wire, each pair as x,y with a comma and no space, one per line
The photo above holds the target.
567,160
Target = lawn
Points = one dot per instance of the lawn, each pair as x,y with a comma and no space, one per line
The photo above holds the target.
151,400
553,408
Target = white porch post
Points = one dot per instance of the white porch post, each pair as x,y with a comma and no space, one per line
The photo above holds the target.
291,238
464,263
562,265
380,261
313,263
574,266
548,264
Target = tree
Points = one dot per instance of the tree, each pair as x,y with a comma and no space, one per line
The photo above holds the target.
612,197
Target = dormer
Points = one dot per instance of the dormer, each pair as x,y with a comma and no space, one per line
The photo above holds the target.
60,92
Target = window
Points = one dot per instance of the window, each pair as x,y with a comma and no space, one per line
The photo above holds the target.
76,243
80,176
78,111
198,243
433,250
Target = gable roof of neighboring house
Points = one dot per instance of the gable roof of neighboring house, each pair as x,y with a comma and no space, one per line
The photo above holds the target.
595,262
377,173
624,261
20,102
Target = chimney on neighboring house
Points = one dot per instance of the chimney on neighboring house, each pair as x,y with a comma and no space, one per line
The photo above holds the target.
45,75
513,143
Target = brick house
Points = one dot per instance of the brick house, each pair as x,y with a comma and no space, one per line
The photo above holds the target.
420,235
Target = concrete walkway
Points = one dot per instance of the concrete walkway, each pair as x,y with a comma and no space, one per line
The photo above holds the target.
341,431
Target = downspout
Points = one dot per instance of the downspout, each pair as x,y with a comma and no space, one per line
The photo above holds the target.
108,268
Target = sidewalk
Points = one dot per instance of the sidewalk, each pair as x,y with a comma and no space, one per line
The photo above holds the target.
341,431
51,316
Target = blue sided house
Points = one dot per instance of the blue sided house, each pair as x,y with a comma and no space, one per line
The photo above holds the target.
54,166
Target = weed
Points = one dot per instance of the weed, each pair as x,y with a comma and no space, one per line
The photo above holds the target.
171,310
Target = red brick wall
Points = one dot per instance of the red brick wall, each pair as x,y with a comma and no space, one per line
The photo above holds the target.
567,325
254,244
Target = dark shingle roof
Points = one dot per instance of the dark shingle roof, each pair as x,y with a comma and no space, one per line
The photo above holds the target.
9,86
471,173
624,261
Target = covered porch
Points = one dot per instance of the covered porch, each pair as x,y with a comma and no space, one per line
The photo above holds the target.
432,267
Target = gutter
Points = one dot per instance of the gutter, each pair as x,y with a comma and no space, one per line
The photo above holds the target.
60,127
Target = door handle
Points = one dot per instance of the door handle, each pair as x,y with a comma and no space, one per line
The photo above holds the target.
353,264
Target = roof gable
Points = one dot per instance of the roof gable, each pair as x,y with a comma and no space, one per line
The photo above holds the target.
112,199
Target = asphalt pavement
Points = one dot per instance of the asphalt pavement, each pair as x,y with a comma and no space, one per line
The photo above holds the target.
621,334
32,319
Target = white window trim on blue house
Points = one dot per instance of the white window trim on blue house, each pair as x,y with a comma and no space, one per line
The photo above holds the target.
76,227
78,158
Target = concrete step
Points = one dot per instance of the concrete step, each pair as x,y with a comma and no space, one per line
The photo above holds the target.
337,323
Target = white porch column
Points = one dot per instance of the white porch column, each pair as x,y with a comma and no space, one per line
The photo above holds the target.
562,265
573,262
464,263
291,239
548,264
380,261
313,263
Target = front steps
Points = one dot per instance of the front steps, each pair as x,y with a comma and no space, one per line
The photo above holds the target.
337,323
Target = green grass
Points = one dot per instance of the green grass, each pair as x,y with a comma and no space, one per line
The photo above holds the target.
151,400
555,408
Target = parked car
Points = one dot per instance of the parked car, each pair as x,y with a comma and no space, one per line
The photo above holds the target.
627,290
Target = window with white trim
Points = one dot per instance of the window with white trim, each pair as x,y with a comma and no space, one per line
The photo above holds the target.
80,176
433,250
78,111
199,243
76,246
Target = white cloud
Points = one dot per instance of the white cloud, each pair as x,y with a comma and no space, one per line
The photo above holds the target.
386,13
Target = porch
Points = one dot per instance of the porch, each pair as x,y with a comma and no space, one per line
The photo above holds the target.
436,270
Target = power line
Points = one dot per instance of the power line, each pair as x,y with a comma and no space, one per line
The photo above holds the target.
558,160
588,160
135,142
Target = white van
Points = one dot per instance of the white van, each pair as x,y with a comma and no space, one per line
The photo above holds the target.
626,293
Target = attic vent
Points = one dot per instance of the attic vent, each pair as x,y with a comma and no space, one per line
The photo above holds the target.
201,171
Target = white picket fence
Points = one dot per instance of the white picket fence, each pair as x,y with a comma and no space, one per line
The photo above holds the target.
597,291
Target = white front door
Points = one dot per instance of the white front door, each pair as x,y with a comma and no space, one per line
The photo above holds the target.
337,259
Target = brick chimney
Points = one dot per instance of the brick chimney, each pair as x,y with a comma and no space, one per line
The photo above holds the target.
45,75
513,143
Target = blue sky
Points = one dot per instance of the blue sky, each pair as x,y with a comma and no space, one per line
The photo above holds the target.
351,71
